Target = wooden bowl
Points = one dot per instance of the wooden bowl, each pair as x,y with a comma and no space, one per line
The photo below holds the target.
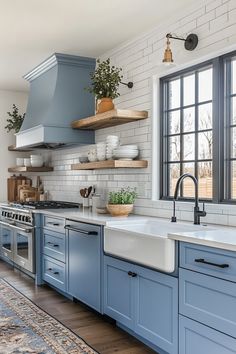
120,209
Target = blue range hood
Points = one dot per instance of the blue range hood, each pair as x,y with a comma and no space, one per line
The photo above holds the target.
57,97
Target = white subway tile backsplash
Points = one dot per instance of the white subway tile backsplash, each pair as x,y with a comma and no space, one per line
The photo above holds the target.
215,24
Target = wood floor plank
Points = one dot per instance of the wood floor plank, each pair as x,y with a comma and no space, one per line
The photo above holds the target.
102,335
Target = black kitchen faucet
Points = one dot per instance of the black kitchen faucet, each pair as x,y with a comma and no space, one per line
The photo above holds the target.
197,212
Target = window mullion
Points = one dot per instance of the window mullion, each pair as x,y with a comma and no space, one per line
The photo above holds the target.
181,130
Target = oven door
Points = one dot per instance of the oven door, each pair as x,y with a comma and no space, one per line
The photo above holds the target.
24,248
7,236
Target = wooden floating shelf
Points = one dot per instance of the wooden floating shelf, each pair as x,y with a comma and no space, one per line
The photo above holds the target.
29,169
13,148
110,164
109,119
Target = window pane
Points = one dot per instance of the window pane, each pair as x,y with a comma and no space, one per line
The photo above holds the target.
233,142
205,85
189,147
233,110
189,90
205,144
233,179
188,184
174,173
174,94
233,77
205,179
189,119
174,148
205,116
174,122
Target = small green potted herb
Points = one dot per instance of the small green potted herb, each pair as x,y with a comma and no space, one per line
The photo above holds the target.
15,120
104,85
121,203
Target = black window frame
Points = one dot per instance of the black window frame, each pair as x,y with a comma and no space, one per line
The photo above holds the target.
221,107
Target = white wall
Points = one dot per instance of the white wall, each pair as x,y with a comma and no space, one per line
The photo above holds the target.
215,24
7,158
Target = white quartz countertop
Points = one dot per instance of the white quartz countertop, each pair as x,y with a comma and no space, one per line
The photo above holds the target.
212,235
86,215
219,237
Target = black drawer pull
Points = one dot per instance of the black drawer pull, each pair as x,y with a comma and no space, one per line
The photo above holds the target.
53,223
132,274
84,232
53,244
50,269
202,260
56,273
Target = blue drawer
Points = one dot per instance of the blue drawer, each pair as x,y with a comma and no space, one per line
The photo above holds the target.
54,223
54,273
194,257
195,338
54,245
209,300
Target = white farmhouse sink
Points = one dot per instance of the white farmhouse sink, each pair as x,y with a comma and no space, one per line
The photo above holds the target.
145,242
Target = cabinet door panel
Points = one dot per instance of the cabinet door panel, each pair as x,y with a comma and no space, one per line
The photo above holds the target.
208,300
156,310
118,291
195,338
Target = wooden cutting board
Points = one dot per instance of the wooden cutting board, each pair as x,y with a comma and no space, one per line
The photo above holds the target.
13,184
11,188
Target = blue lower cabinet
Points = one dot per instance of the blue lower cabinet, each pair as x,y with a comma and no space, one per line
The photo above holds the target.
209,300
119,290
156,308
143,300
54,273
54,244
195,338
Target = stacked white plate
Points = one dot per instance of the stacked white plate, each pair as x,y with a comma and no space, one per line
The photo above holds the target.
112,142
126,152
36,160
101,151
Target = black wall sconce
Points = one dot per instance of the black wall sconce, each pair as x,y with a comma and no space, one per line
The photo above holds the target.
129,84
190,43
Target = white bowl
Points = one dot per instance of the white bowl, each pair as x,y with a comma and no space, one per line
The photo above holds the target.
37,163
125,155
101,157
112,137
35,156
128,147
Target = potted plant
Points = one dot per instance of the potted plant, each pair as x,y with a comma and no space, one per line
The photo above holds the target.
104,85
15,121
121,203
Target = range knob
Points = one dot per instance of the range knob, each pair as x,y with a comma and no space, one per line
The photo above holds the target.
27,219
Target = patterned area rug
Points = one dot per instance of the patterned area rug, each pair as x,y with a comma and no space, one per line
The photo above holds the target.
25,328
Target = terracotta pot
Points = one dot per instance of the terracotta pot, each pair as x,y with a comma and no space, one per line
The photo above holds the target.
105,104
120,209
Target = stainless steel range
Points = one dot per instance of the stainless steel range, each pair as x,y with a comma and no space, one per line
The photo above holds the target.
18,231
